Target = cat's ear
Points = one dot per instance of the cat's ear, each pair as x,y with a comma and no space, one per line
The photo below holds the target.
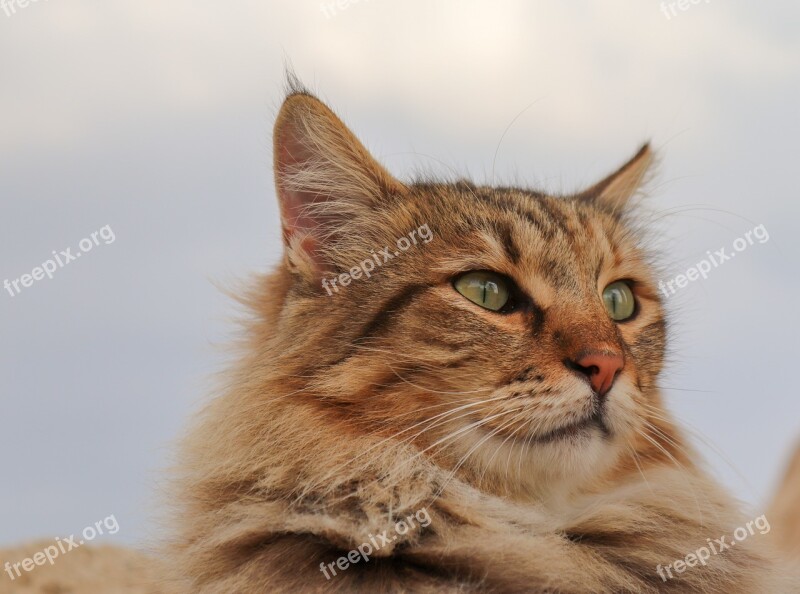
614,192
325,180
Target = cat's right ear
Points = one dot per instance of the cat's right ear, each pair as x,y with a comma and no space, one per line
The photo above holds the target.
615,191
325,180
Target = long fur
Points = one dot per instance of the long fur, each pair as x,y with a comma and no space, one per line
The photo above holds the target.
785,510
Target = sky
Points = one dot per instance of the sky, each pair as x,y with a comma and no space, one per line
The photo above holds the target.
151,123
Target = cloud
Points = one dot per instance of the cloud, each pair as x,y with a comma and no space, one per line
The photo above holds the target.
84,68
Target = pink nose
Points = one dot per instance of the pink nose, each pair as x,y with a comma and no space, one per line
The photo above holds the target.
601,369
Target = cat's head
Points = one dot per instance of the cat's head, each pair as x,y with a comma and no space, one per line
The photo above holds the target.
513,334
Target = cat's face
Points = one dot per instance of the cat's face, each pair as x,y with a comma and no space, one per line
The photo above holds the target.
514,336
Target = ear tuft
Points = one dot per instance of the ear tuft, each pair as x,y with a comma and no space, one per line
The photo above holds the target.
614,192
293,85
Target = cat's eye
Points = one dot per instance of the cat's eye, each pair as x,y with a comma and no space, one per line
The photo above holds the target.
619,301
487,289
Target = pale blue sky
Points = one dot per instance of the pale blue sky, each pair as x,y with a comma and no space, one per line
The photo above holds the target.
155,119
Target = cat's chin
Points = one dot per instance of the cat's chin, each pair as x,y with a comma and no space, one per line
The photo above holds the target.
576,431
543,467
561,460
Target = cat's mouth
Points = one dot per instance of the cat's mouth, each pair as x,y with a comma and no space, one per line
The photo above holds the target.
576,429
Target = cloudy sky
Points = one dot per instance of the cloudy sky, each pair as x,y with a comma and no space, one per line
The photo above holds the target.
152,120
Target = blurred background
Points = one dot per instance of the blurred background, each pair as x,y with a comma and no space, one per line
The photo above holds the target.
154,118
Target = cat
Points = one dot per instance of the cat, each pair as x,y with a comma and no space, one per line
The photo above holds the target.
477,410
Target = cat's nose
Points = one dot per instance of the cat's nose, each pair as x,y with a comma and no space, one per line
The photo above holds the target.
601,367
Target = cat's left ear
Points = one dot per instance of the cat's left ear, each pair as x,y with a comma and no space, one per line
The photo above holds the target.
614,192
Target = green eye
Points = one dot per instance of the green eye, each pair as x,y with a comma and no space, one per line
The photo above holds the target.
486,289
619,301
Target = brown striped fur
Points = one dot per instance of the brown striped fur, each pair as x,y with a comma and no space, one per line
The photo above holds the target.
348,412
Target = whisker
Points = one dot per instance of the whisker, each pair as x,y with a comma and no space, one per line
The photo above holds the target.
431,422
684,473
473,449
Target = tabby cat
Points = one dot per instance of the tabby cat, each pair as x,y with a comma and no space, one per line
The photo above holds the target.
449,387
